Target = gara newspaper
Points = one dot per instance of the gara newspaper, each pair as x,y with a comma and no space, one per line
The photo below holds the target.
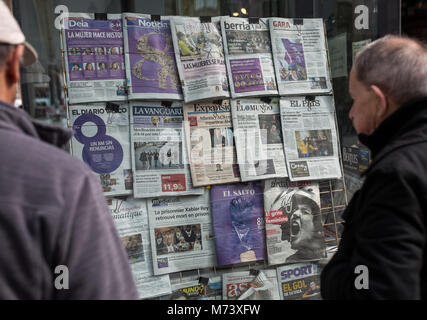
258,137
200,58
150,61
181,233
159,156
238,222
310,138
293,221
300,56
101,140
248,56
209,137
94,60
131,220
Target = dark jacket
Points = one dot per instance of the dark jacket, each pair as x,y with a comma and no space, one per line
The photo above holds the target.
52,213
385,222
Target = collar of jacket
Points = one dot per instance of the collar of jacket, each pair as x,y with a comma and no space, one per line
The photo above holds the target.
12,118
407,125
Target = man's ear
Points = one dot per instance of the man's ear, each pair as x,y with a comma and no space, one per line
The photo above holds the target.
12,64
382,106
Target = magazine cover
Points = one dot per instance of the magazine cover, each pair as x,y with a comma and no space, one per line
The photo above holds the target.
131,220
238,222
258,137
300,56
159,156
210,141
248,56
200,58
151,71
101,140
299,282
247,285
94,60
293,221
195,290
310,138
181,229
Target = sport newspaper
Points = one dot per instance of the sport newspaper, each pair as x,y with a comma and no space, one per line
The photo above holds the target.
300,56
181,233
310,138
258,137
200,58
293,222
131,220
159,157
249,58
235,284
151,70
101,140
209,136
299,282
94,60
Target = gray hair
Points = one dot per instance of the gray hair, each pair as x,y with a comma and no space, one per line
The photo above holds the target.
397,65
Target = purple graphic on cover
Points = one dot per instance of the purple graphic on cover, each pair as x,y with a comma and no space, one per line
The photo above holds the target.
102,153
294,55
247,75
238,222
94,49
151,57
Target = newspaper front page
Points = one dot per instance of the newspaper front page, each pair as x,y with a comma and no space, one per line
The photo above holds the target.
310,138
209,136
195,290
299,282
249,58
200,58
131,220
151,71
159,156
300,56
293,221
101,140
258,137
234,284
181,229
94,61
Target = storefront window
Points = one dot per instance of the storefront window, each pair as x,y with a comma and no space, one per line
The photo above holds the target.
349,24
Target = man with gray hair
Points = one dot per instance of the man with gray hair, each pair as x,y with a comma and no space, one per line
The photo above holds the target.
383,250
57,236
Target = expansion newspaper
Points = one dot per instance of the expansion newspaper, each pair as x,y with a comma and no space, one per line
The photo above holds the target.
181,229
248,56
299,282
209,136
293,221
300,56
258,137
196,290
200,58
235,284
150,61
101,140
131,220
310,138
94,63
159,156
